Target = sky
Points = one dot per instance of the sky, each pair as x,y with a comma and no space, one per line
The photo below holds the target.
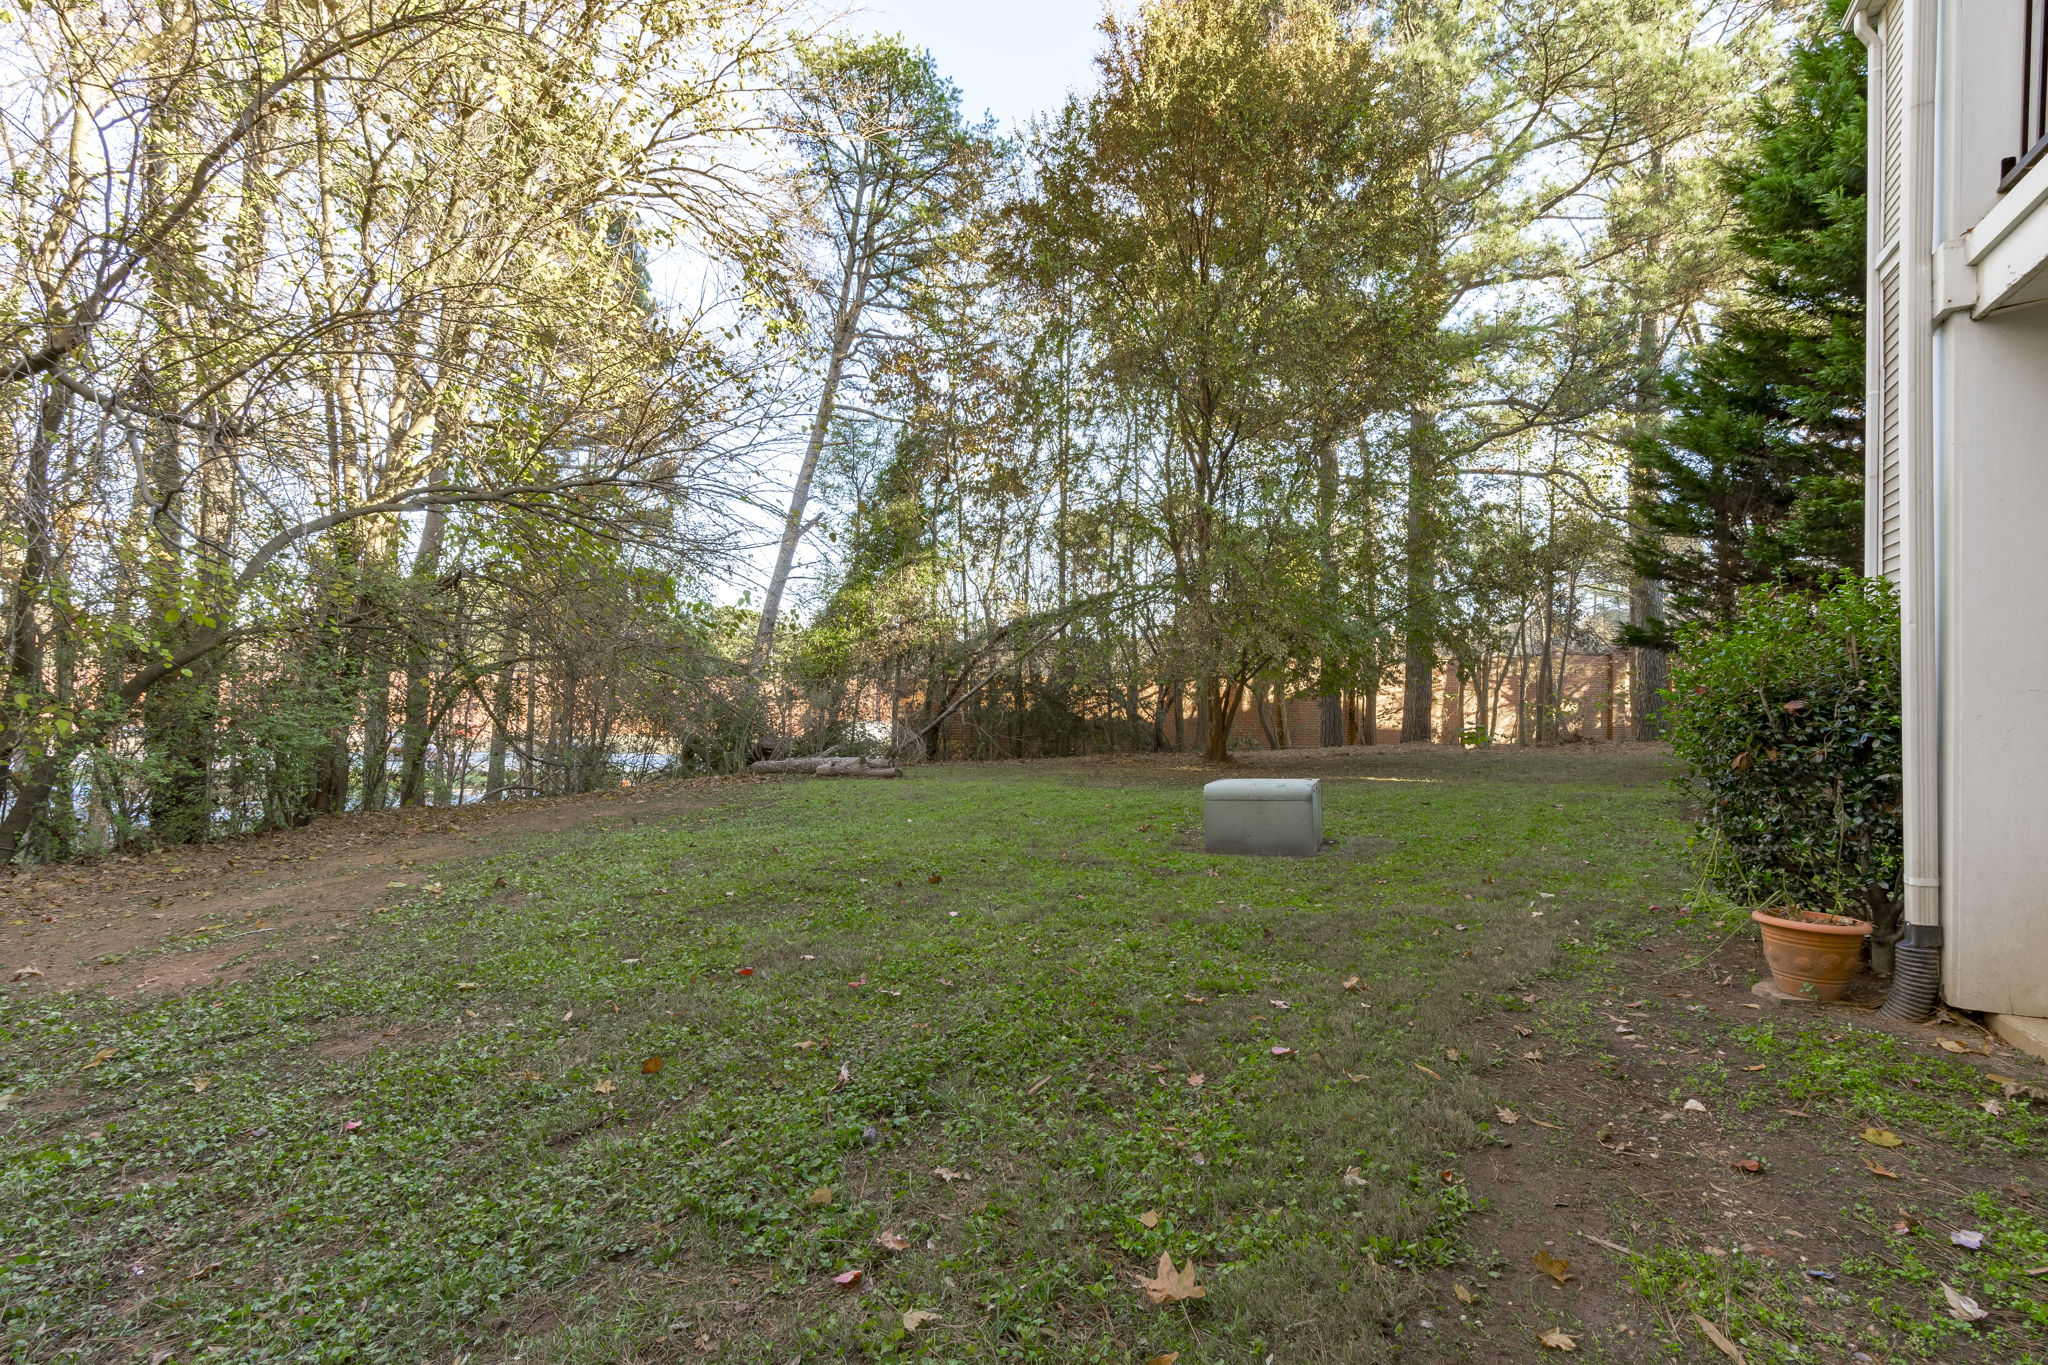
1010,58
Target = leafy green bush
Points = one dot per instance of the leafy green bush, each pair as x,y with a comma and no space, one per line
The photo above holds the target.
1787,717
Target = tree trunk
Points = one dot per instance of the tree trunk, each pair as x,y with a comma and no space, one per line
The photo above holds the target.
1418,652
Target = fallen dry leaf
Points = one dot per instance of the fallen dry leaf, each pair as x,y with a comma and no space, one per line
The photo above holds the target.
1694,1107
1507,1116
1967,1238
1427,1072
1720,1340
1871,1164
1354,1176
204,1271
1995,1108
918,1317
1452,1054
1556,1340
529,1076
105,1054
1758,1067
1879,1137
949,1176
1465,1295
1351,983
1165,1358
1197,1079
804,1046
845,1076
820,1197
1752,1165
847,1280
1951,1045
1171,1285
1556,1267
1961,1307
1150,1218
1282,1051
891,1240
199,1083
465,985
25,973
651,1065
604,1087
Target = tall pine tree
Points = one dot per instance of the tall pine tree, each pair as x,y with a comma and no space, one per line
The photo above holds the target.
1756,474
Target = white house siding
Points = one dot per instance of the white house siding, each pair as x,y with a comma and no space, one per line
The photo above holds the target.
1958,484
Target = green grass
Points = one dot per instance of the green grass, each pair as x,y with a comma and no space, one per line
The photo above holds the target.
1043,956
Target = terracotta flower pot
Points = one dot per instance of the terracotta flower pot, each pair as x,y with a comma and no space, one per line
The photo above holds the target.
1812,954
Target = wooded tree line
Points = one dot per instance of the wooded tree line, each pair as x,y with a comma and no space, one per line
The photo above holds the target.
399,396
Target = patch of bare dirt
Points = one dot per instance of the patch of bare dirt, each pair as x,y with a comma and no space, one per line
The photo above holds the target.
160,923
1605,1158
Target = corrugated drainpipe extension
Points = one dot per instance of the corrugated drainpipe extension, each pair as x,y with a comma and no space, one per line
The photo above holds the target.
1916,964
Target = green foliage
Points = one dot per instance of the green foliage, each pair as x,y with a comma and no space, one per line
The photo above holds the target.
1788,719
1756,474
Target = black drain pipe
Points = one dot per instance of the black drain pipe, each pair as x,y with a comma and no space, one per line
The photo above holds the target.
1916,976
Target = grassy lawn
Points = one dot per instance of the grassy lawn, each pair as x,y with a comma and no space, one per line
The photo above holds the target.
751,1084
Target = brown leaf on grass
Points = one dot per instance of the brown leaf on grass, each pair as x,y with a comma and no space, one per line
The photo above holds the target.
1281,1051
1880,1137
1197,1080
1170,1285
820,1197
1352,983
1427,1072
845,1076
1556,1340
1165,1358
1524,1032
1507,1116
888,1239
1752,1166
529,1076
1149,1218
1758,1067
652,1065
849,1280
465,985
918,1317
26,973
1556,1267
1871,1164
1465,1295
105,1054
1452,1054
204,1271
604,1087
1720,1340
1354,1176
949,1176
1951,1045
2015,1089
199,1083
1905,1226
1961,1307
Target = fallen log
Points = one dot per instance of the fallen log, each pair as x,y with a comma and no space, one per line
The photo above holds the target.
826,765
854,767
789,765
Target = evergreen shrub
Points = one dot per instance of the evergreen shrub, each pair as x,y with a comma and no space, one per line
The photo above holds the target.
1787,718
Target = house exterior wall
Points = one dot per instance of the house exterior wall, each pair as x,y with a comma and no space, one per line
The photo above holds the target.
1958,480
